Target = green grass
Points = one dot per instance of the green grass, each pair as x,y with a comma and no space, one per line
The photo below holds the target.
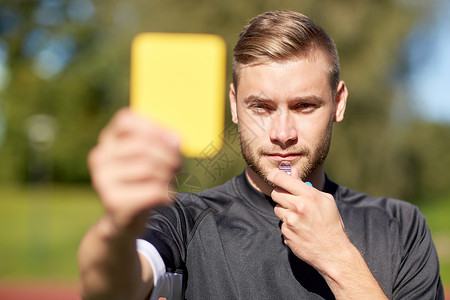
40,229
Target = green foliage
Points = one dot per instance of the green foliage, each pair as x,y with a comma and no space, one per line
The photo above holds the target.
371,151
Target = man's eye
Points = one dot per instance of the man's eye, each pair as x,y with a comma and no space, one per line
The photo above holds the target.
260,109
305,107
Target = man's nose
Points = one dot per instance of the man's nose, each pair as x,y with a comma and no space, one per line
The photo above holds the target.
283,130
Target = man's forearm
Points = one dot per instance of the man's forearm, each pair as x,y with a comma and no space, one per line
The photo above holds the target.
351,278
110,266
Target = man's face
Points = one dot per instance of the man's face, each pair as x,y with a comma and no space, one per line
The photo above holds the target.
285,112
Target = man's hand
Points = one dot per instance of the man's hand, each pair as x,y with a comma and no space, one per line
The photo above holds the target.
131,169
132,166
311,223
314,231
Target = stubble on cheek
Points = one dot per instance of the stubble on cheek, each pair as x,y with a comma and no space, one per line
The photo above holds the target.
252,159
311,159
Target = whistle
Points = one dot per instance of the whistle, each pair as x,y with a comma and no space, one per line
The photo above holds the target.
285,166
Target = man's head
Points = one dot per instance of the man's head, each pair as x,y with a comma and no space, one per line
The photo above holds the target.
282,35
285,94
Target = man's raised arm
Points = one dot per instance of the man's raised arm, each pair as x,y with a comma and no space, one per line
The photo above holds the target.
131,169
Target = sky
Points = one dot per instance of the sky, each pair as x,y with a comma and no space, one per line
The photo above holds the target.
428,56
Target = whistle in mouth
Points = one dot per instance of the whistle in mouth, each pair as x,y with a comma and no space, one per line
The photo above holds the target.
285,166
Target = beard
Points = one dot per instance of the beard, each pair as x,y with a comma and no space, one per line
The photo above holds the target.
314,158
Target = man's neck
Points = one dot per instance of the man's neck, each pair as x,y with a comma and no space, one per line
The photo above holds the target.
317,178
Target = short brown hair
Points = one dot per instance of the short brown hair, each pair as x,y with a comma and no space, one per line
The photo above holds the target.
282,35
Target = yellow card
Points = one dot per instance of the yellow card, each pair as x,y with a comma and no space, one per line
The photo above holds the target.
178,79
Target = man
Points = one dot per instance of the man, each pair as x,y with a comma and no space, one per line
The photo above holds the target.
264,234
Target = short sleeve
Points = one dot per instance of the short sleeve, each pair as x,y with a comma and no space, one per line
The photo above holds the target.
418,275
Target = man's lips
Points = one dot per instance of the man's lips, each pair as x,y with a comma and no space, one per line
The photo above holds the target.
283,156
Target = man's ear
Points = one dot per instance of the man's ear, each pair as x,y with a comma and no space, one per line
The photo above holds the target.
340,101
233,103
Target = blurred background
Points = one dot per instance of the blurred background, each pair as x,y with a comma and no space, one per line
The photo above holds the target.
64,71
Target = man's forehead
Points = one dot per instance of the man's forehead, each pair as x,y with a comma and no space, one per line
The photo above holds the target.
319,61
296,67
297,77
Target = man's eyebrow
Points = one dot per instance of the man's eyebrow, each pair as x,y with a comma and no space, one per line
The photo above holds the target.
256,98
310,98
263,99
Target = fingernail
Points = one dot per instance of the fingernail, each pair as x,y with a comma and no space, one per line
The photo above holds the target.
308,183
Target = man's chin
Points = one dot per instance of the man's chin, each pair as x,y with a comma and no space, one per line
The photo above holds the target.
263,173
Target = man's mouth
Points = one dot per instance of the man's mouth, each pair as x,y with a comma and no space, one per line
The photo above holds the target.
284,156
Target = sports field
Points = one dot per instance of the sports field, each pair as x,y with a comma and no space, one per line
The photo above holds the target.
41,227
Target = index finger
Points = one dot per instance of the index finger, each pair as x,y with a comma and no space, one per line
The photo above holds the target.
290,183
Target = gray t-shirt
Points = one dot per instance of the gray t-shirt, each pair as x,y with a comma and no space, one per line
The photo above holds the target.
226,243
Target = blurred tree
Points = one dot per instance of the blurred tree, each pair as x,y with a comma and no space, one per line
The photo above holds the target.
70,58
